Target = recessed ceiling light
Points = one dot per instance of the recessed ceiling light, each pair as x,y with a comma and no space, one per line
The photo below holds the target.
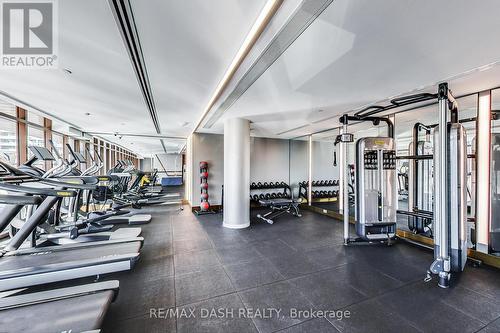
87,113
67,71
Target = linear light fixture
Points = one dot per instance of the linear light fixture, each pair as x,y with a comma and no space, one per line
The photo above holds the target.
149,136
258,27
483,160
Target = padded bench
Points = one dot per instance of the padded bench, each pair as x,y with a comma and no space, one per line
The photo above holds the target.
279,206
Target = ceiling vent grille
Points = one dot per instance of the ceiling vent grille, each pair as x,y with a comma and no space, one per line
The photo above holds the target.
299,21
124,18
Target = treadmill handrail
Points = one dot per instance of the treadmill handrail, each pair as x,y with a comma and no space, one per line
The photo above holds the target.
67,185
47,296
64,265
38,191
19,200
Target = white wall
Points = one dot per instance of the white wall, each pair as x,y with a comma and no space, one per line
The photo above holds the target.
299,164
322,161
171,162
210,148
145,164
269,160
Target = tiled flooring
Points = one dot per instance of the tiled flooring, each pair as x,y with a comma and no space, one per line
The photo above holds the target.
191,263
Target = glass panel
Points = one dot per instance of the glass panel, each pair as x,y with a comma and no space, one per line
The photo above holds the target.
36,138
57,139
71,142
299,167
8,108
8,139
325,171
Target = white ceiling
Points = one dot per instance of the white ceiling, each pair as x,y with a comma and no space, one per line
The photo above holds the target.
360,52
187,46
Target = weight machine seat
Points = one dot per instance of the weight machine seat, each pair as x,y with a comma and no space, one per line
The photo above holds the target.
278,207
279,202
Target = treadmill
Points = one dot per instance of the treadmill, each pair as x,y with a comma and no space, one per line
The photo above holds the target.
25,267
90,229
70,309
119,217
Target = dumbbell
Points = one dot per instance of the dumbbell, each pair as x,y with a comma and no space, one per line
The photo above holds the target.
259,185
335,193
255,197
266,185
267,196
283,184
313,183
273,195
321,183
279,195
204,174
204,196
330,194
271,184
203,165
253,185
204,186
262,196
323,194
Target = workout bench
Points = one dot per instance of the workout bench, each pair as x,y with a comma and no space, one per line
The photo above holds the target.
279,207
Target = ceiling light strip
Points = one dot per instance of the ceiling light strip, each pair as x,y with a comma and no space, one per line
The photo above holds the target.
300,20
151,136
258,27
124,17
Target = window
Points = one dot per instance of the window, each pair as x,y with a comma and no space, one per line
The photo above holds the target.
35,118
36,138
7,108
71,143
57,139
8,139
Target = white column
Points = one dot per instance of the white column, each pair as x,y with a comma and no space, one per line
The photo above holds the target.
236,173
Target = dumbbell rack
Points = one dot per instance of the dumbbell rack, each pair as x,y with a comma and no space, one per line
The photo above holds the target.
303,190
264,188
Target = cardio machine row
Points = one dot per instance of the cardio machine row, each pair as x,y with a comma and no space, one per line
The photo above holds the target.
51,238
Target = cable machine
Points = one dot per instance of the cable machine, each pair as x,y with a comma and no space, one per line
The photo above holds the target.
375,184
376,194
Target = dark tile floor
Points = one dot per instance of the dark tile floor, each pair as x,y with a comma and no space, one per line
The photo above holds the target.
192,264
